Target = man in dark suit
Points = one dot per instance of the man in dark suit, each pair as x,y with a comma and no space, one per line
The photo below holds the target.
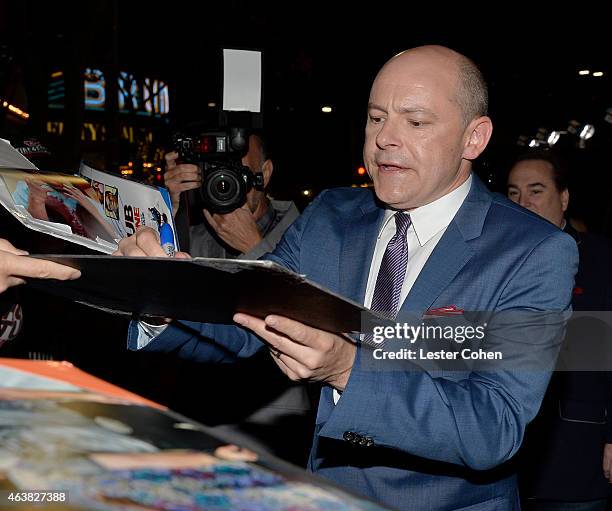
569,454
432,237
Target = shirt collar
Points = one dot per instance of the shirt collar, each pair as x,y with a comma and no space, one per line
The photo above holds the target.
430,219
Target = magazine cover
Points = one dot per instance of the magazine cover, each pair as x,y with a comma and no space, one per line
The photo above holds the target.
129,204
95,209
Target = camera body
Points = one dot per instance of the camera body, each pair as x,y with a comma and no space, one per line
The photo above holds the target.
225,180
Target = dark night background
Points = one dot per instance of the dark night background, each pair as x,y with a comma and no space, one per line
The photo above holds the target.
315,54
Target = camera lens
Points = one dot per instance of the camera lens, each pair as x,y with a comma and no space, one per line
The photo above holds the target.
222,191
223,187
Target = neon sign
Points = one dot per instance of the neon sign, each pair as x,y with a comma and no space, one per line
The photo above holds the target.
140,96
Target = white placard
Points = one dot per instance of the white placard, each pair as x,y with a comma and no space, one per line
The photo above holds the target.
242,80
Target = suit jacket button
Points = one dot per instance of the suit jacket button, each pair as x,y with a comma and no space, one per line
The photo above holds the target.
349,436
363,441
369,442
356,439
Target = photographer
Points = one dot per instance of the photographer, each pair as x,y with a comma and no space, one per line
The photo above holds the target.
256,415
247,232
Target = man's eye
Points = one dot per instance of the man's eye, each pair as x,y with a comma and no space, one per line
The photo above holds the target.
375,120
416,124
512,194
535,192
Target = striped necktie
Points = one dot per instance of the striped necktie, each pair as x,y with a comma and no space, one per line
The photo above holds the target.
392,269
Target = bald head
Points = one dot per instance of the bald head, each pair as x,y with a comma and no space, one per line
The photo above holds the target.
424,126
470,88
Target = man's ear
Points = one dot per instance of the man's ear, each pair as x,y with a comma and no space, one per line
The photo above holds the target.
564,199
267,169
478,135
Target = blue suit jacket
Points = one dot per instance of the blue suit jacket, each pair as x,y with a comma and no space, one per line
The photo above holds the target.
439,440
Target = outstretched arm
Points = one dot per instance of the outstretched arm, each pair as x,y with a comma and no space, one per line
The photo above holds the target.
15,265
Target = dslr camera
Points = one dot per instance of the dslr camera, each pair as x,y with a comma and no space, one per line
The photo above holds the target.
218,153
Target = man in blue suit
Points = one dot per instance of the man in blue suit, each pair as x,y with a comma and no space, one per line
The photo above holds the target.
432,237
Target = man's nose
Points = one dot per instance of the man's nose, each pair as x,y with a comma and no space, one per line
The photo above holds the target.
524,201
388,135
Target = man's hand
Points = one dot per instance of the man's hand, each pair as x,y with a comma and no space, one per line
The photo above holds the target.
607,462
238,229
303,352
180,178
14,265
145,243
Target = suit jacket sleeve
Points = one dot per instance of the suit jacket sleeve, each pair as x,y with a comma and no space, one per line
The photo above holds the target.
478,421
208,342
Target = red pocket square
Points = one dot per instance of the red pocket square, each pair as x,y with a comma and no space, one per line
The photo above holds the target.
448,310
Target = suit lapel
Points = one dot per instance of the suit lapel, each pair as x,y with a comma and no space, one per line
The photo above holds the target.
450,255
358,244
452,252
